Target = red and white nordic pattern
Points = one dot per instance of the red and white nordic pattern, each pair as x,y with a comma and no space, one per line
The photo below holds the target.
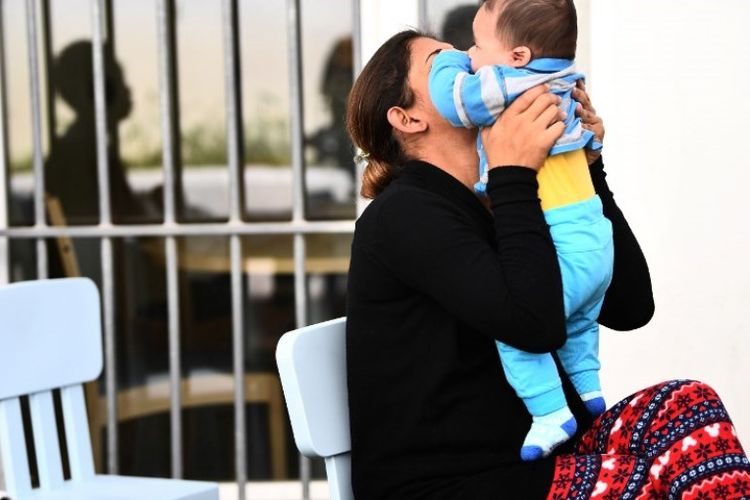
670,441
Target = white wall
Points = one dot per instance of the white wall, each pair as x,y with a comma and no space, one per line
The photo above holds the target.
383,18
670,79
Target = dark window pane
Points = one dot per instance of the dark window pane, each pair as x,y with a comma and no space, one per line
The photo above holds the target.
18,98
202,110
139,268
328,77
265,94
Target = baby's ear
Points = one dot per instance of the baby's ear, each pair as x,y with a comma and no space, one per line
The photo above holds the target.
521,56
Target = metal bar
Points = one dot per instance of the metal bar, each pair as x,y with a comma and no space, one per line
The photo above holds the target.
42,272
175,369
235,158
49,94
4,163
238,354
296,101
424,19
143,230
169,118
36,127
100,108
300,308
165,14
361,203
110,354
357,37
98,12
233,86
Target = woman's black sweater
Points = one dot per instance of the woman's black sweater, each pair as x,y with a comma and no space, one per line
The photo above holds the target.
435,279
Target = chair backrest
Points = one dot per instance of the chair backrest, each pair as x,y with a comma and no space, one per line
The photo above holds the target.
50,332
50,337
312,366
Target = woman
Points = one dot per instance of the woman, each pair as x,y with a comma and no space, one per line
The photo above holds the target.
436,277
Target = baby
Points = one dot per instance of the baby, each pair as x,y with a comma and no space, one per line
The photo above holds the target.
520,44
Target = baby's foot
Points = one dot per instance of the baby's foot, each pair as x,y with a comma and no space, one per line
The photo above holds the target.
594,402
547,433
588,386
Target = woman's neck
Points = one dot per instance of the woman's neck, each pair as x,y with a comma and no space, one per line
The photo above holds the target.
455,152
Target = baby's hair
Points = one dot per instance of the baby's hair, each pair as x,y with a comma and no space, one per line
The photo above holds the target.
548,27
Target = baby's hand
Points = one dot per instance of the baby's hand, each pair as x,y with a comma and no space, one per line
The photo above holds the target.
589,119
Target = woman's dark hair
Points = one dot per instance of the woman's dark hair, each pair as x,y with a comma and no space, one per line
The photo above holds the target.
382,84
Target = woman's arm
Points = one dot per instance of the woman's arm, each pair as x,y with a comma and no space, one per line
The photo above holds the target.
629,301
509,289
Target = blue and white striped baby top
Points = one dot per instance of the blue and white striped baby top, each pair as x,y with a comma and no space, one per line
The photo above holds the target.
469,99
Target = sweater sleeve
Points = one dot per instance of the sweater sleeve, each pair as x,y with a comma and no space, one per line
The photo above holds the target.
510,291
464,98
629,301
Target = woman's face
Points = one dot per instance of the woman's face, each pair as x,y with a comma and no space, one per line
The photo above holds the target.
423,52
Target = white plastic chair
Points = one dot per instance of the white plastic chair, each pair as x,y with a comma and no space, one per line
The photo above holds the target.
50,337
312,365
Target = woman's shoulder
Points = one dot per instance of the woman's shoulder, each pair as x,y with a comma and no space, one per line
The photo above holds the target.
405,202
394,200
421,198
420,185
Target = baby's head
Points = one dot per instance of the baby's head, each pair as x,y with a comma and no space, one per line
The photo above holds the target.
513,32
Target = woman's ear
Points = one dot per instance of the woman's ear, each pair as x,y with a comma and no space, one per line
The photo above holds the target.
521,56
404,121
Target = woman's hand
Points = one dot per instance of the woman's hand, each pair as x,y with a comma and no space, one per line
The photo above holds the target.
526,131
589,119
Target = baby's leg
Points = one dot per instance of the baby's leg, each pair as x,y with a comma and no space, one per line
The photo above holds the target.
580,358
536,381
580,354
585,253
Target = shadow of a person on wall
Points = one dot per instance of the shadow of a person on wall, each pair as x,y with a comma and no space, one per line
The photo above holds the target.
71,168
72,177
331,143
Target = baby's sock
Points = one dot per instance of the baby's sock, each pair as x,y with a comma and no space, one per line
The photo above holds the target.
587,385
594,402
547,433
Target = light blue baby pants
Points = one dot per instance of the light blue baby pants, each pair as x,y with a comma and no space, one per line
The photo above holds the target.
583,240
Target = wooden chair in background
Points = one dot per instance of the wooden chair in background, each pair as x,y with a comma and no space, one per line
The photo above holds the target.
198,389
